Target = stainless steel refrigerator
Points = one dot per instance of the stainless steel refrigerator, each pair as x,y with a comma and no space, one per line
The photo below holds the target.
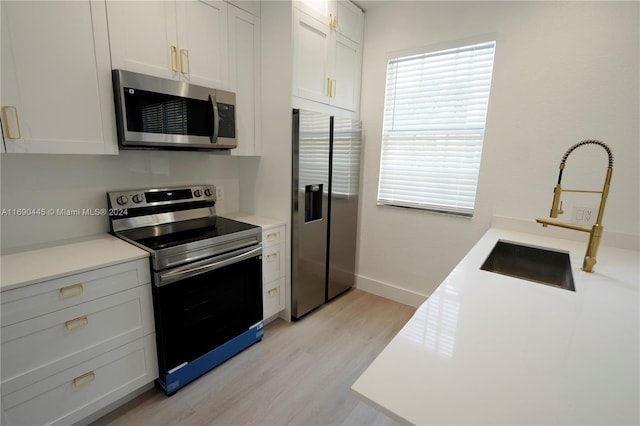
325,187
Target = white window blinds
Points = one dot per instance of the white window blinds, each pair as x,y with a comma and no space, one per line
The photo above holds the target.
434,119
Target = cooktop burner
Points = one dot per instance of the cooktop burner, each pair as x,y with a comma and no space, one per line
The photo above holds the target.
178,233
177,225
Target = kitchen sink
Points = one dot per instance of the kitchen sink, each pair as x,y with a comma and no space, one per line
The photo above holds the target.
537,264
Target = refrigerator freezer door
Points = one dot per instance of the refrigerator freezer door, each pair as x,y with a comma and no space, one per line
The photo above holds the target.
309,237
343,219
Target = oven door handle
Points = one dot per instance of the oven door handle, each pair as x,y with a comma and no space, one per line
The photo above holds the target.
177,274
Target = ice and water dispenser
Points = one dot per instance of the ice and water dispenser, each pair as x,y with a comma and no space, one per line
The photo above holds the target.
312,202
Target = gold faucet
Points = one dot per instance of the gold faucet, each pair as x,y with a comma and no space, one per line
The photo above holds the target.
595,232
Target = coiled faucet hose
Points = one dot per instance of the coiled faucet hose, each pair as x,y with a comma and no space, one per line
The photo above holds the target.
587,142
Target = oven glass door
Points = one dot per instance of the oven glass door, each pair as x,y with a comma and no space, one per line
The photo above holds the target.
197,314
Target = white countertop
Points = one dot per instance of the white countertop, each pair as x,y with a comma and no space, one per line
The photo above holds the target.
490,349
32,266
262,221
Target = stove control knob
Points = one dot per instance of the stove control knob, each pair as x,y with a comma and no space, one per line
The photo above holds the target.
122,200
137,198
208,192
197,193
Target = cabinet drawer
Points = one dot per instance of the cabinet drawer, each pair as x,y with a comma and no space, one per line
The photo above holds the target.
272,263
42,298
75,393
273,236
37,348
273,298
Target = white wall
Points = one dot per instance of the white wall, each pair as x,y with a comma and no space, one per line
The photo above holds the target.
265,182
563,72
81,182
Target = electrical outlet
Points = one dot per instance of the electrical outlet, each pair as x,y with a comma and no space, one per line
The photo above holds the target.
584,216
219,193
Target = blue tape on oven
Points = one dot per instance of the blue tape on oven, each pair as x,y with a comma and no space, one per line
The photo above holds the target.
180,376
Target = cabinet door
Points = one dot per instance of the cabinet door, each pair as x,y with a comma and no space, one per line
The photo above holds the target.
143,37
56,78
310,44
347,65
319,9
202,38
244,78
251,6
349,20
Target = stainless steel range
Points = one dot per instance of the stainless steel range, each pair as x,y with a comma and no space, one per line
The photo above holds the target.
206,276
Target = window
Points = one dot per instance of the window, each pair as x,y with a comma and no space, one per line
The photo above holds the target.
434,119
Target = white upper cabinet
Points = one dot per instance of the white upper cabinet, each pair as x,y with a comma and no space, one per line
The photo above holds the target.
342,16
143,37
202,38
347,71
244,78
251,6
56,78
181,40
349,20
319,9
311,50
327,53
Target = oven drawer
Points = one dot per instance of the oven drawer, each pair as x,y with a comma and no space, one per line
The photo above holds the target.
48,296
79,391
39,347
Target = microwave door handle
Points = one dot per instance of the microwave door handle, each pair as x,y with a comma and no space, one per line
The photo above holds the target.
216,120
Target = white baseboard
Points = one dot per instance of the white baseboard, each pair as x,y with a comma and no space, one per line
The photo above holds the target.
390,291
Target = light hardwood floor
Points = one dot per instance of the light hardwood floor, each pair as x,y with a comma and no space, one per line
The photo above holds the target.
300,374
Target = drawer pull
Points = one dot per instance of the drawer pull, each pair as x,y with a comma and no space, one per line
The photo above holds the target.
83,380
272,237
272,291
71,291
271,257
76,323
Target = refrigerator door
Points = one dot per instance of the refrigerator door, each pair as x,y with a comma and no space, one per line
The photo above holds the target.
343,205
310,188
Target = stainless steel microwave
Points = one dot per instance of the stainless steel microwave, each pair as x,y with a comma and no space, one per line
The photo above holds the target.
157,113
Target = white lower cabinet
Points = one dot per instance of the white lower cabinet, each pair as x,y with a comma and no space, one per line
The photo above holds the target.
75,344
74,393
273,297
273,270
